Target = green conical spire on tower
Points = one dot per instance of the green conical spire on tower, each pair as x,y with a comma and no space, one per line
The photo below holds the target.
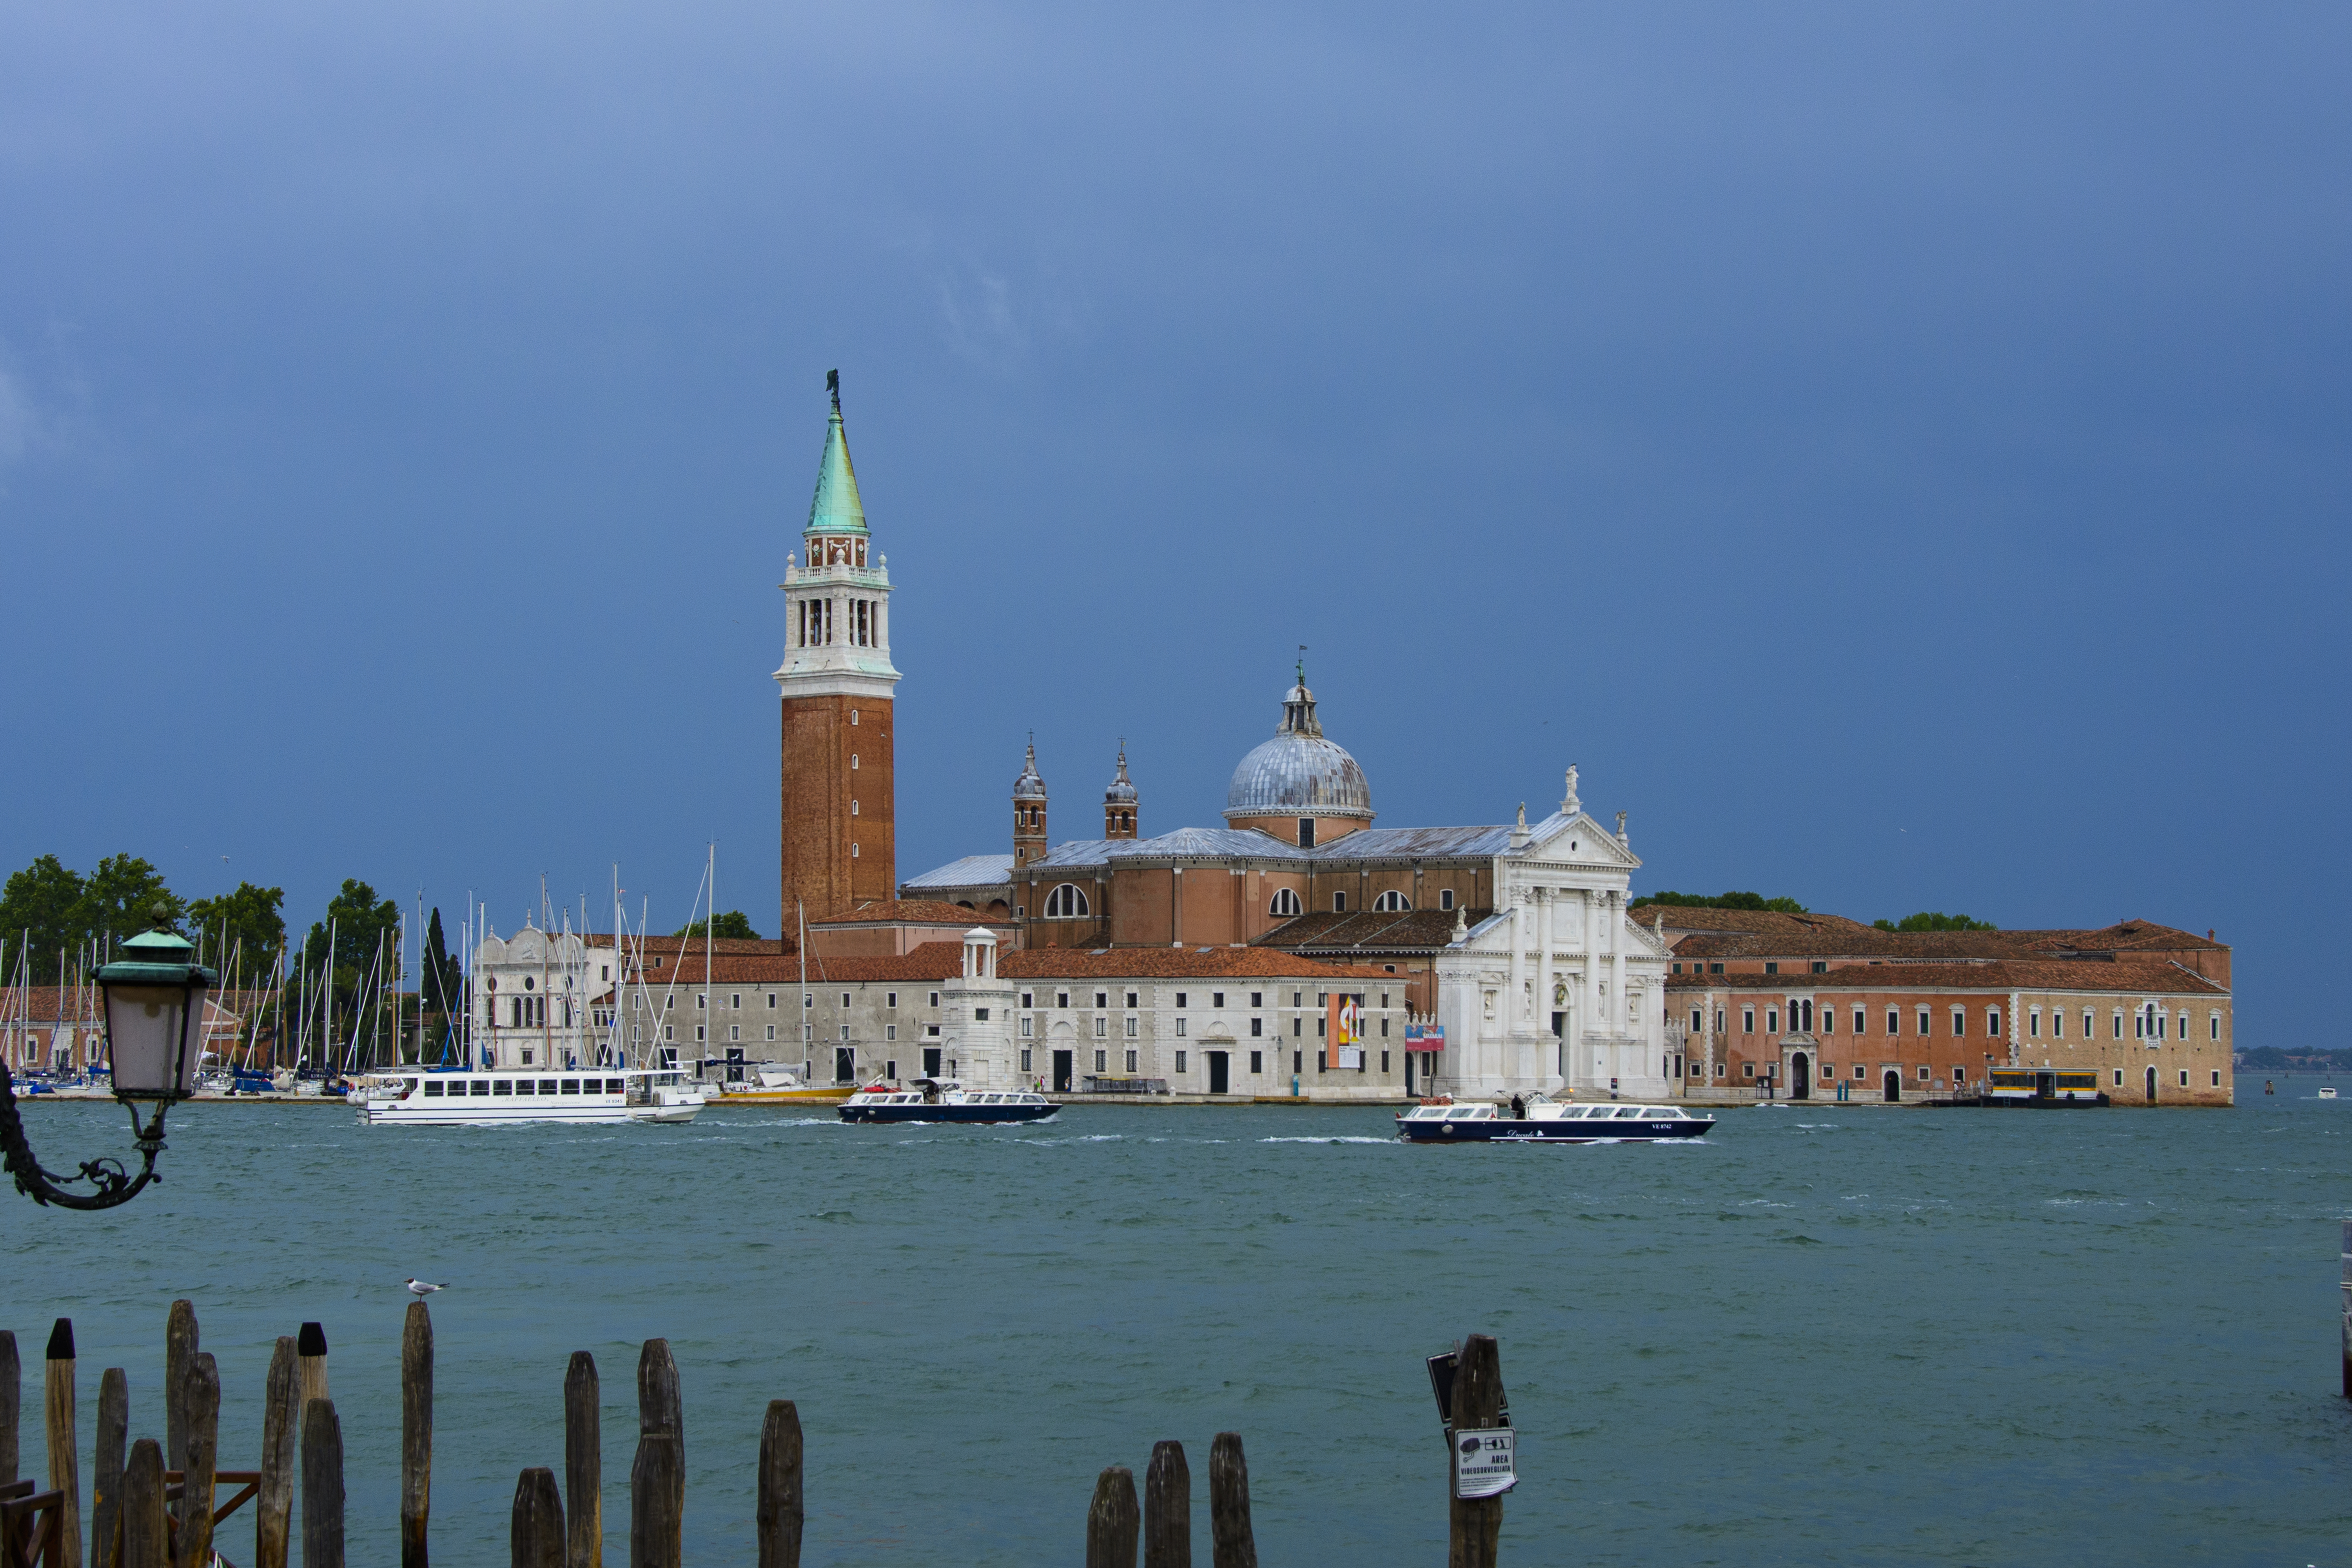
836,509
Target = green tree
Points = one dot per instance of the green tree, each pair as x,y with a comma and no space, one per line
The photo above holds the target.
734,924
440,978
244,928
1927,920
40,915
118,901
1784,906
358,922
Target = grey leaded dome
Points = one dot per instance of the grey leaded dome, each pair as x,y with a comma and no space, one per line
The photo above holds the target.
1122,788
1298,773
1029,787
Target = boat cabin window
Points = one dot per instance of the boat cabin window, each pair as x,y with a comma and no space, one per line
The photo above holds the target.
615,1086
431,1088
522,1086
503,1086
572,1086
1629,1110
547,1086
1463,1112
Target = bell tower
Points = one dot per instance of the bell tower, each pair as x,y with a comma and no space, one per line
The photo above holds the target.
1120,802
1029,842
839,781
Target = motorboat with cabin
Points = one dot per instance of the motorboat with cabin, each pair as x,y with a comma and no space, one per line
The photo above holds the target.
1540,1119
944,1099
441,1097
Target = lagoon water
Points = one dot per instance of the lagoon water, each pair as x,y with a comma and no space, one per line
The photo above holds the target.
1831,1334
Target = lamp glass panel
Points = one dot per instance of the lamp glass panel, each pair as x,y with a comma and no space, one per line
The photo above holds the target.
145,1037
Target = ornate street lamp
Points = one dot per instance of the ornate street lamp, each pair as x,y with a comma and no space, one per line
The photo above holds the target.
155,1033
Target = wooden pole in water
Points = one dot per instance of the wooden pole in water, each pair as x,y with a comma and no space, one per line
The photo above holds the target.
12,1398
273,1503
583,1464
179,1354
1112,1520
657,1481
660,1415
202,1403
106,1468
322,1485
1167,1508
58,1409
415,1434
146,1540
310,1346
2347,1308
535,1538
1231,1543
1475,1525
778,1515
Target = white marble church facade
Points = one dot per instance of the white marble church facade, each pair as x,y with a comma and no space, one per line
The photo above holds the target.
1558,990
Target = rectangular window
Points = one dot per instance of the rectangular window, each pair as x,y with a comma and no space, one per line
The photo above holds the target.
1992,1023
1771,1020
1102,1027
1960,1022
2090,1024
890,1031
2184,1077
1025,1061
1698,1022
734,1031
844,1031
1338,903
1771,968
2057,1023
1028,998
1322,1061
890,999
1924,1074
1026,1028
1216,998
2119,1078
1747,1020
1179,998
1130,1061
1130,998
1257,1028
1860,1019
700,998
1130,1028
772,1001
1829,1020
935,1000
1893,1022
1923,1023
1295,1026
1257,1063
2118,1023
1180,1028
2213,1025
1257,999
2034,1025
1295,1056
1102,998
1179,1061
2217,1078
1384,1061
735,1001
698,1035
1102,1061
1718,1020
1322,1027
1747,1069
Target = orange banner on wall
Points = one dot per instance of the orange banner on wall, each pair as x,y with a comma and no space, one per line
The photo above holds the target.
1344,1021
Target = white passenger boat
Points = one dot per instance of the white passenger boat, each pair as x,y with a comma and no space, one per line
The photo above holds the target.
439,1098
928,1100
1542,1120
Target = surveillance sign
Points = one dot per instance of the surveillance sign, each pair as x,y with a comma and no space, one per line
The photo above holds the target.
1483,1462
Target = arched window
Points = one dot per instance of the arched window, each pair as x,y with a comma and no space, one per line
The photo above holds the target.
1392,902
1285,902
1065,902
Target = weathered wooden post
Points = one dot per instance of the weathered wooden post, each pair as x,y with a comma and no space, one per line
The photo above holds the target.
310,1345
322,1485
146,1538
415,1434
106,1468
1167,1508
58,1410
535,1539
201,1404
779,1514
2347,1308
1475,1525
273,1503
179,1354
583,1464
12,1397
657,1478
1231,1543
1112,1520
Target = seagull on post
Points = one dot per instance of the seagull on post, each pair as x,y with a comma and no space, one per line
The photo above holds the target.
419,1287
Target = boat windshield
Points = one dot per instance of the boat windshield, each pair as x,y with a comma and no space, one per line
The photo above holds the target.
1469,1113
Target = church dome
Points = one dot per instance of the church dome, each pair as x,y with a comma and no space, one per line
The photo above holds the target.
1298,773
1122,788
1028,787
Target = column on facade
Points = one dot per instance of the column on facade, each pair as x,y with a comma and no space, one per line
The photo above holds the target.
1615,916
1515,1004
1543,976
1589,1020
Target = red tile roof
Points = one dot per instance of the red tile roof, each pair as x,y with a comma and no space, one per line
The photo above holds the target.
909,911
2142,976
1177,964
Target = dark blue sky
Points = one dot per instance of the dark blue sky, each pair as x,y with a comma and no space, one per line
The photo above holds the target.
1899,452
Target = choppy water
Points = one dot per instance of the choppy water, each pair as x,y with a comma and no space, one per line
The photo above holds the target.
1835,1334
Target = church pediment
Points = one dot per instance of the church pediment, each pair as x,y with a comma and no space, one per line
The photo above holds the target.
1575,840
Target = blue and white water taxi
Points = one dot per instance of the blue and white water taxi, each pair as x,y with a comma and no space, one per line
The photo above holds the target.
934,1099
1539,1119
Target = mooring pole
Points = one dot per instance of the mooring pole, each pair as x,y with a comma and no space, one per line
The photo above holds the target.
1230,1542
146,1540
200,1404
106,1468
1113,1520
1475,1525
535,1539
779,1516
322,1485
282,1428
583,1464
12,1396
57,1389
179,1355
1168,1508
415,1433
2347,1308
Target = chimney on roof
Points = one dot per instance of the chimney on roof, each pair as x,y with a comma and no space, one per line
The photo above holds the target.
2209,933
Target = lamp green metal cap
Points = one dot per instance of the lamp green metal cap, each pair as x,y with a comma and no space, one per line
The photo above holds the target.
159,956
836,509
